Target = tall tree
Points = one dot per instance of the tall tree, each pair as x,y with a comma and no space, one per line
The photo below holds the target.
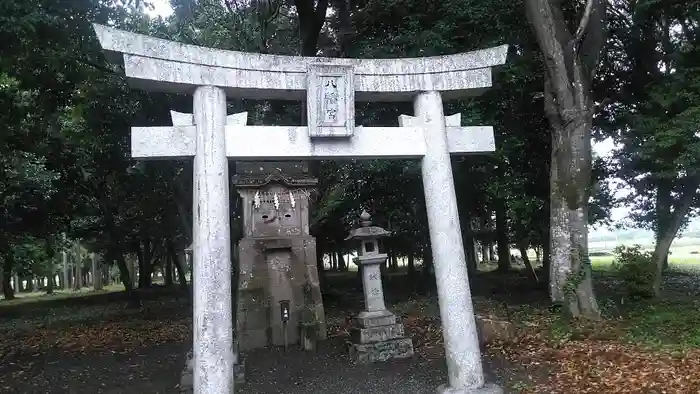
571,59
656,114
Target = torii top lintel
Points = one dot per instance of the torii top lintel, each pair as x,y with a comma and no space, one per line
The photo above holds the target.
155,64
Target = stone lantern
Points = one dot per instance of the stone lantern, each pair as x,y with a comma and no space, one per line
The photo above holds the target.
376,335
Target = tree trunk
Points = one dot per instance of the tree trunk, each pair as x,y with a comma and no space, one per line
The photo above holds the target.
469,249
411,264
571,61
66,270
169,271
664,218
50,285
334,261
320,267
96,272
174,260
51,256
145,259
526,260
484,252
182,211
570,271
342,264
502,237
7,265
77,267
114,250
115,253
312,16
546,247
427,263
664,241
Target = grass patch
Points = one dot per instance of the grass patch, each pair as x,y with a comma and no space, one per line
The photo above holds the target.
671,324
28,298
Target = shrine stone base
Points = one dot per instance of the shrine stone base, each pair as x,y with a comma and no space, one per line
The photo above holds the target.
378,337
187,377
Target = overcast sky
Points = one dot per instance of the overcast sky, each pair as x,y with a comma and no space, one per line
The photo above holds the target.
160,7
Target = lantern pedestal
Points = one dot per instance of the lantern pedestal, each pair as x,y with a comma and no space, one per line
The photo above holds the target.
377,335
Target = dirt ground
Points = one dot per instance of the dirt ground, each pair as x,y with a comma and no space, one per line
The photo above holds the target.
125,351
101,346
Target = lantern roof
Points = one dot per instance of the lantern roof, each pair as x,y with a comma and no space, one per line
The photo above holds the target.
366,230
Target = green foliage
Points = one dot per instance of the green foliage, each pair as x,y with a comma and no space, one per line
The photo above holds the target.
666,324
636,270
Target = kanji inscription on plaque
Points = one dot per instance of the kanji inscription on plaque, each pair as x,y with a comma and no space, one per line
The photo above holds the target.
330,100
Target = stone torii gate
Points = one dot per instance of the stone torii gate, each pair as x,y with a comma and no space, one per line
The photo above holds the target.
330,87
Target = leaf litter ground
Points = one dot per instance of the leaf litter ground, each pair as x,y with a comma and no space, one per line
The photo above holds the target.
107,348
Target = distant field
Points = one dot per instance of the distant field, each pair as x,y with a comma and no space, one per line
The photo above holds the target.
602,261
684,251
680,245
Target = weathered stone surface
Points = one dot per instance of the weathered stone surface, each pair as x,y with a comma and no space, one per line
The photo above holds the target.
187,377
261,169
159,65
255,319
375,321
212,321
277,262
376,334
253,339
381,351
276,142
330,100
280,143
454,295
372,280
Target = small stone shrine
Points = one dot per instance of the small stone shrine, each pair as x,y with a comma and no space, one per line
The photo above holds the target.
377,335
277,258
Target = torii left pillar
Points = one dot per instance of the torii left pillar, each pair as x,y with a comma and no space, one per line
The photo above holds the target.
211,277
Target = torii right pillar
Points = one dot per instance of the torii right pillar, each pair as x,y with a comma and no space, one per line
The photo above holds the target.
462,353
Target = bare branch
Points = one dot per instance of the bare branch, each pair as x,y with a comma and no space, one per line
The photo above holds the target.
581,31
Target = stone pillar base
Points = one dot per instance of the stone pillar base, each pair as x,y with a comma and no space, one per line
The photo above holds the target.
378,338
187,377
489,388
